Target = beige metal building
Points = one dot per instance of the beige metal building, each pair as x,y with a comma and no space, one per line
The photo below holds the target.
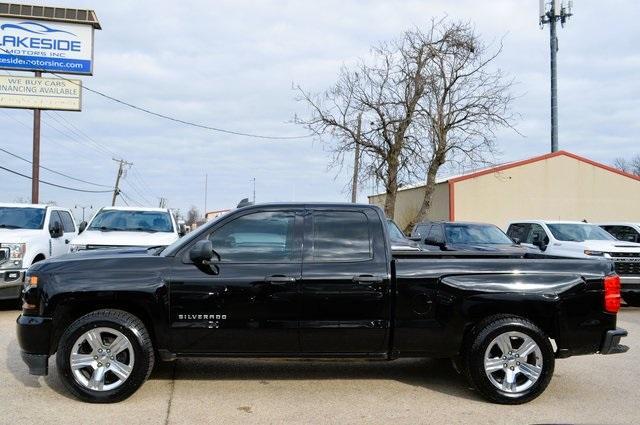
555,186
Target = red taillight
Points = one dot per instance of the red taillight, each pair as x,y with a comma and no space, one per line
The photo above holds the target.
612,293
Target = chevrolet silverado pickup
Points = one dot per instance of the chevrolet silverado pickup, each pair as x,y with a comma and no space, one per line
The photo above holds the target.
312,281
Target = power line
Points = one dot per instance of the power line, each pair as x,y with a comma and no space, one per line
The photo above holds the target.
135,189
125,197
170,118
52,171
54,184
85,135
79,138
65,139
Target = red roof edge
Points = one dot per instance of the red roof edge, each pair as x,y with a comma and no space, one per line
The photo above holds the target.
542,158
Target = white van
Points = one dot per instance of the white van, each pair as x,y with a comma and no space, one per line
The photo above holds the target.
30,233
576,239
117,227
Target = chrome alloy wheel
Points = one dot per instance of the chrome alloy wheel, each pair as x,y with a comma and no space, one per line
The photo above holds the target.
101,359
513,362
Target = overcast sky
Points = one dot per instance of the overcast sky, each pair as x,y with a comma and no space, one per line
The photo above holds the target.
231,64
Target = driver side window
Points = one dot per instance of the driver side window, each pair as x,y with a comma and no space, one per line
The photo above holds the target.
259,237
436,234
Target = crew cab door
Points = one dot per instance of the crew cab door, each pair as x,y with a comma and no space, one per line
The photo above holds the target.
345,282
248,300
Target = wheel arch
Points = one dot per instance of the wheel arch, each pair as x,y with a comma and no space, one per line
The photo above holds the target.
67,313
543,315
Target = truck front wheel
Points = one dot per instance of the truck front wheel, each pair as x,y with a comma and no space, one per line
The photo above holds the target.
105,356
510,360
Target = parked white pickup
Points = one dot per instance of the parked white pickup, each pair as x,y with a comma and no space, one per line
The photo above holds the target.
116,227
30,233
576,239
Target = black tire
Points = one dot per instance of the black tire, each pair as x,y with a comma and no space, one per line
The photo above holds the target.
123,322
474,354
632,299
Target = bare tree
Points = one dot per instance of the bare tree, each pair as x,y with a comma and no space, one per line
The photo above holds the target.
464,102
385,91
427,98
193,216
631,166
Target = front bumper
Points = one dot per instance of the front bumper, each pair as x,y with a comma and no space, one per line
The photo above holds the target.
611,343
629,284
34,336
10,283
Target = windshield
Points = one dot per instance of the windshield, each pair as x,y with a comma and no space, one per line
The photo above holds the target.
132,221
394,230
21,218
579,232
475,234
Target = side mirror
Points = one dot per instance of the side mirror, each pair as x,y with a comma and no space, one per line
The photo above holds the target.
415,238
539,242
82,226
516,241
182,230
55,230
201,252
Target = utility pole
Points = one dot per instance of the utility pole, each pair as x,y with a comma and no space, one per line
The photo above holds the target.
356,163
116,189
35,162
557,12
162,202
206,183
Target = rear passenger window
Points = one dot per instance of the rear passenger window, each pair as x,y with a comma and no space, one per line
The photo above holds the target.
341,236
67,222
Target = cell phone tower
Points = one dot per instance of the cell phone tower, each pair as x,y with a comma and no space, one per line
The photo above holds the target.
550,13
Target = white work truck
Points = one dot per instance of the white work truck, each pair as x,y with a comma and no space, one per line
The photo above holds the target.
30,233
118,227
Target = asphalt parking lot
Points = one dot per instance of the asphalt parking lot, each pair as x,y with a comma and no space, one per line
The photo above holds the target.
589,389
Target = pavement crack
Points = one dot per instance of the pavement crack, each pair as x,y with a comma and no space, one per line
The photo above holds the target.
173,386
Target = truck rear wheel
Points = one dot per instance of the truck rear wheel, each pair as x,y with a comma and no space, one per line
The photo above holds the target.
105,356
509,361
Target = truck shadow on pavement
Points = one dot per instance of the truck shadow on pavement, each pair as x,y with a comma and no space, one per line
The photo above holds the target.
432,374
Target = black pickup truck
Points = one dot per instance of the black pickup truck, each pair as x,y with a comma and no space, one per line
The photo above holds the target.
312,280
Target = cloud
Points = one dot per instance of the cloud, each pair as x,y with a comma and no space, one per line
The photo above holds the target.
231,64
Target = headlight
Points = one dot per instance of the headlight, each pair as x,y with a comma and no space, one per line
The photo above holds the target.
16,250
76,247
595,253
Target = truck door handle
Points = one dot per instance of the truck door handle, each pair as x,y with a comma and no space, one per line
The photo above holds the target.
368,279
279,279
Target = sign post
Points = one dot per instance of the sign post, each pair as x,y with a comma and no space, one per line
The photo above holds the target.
35,163
44,39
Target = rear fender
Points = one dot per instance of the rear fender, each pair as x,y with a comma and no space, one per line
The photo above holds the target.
537,297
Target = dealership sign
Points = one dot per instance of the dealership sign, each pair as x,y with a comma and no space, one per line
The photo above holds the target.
33,45
40,93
